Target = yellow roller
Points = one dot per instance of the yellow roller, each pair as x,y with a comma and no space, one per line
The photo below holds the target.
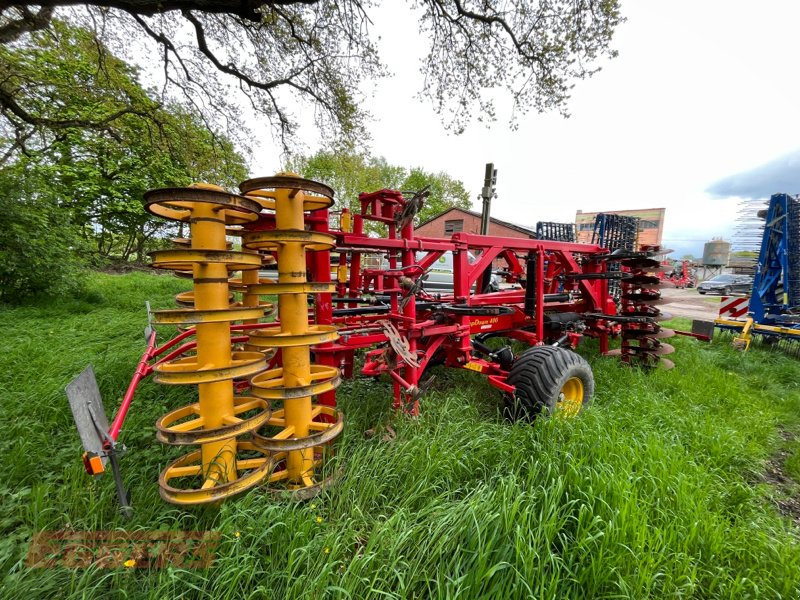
215,421
300,427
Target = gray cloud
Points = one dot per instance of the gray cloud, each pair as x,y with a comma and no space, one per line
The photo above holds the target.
781,175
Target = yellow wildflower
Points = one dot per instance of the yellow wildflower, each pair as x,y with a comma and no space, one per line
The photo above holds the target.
130,563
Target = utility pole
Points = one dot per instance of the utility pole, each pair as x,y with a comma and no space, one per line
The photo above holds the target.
487,193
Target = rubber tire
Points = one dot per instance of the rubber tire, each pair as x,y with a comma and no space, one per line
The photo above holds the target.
538,375
701,292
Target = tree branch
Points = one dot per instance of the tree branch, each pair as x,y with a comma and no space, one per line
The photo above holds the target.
28,22
7,102
246,9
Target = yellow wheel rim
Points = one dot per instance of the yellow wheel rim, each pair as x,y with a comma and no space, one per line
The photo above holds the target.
570,398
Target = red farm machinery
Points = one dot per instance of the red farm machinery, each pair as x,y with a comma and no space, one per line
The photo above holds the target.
348,301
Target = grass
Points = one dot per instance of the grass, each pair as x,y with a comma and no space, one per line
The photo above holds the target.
657,490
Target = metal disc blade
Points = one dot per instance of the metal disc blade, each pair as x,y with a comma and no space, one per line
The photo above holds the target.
664,349
640,263
642,280
659,350
647,333
645,297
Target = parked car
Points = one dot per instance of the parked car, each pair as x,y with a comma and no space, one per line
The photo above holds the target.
726,284
439,279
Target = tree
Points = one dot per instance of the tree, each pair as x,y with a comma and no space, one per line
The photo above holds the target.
321,51
102,178
89,182
350,173
445,192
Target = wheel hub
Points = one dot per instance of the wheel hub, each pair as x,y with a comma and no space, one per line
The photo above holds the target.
570,398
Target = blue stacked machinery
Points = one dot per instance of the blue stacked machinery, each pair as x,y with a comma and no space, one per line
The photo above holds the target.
774,307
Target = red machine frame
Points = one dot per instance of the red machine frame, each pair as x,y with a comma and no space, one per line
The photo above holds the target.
565,278
414,329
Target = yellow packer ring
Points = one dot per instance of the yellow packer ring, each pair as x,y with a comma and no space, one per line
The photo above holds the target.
316,334
186,371
270,384
187,298
177,204
317,196
238,285
190,432
191,316
183,259
570,399
275,238
283,442
310,287
187,243
189,465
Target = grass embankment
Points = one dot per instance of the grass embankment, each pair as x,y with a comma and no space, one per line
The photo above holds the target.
659,489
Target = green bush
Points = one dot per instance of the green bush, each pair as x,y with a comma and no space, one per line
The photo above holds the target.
40,249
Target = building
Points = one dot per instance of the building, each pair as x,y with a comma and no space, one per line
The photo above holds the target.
651,224
455,220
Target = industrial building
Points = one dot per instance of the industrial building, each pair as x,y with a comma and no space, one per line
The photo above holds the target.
651,224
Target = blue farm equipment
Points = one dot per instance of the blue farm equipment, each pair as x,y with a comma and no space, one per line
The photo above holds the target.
773,311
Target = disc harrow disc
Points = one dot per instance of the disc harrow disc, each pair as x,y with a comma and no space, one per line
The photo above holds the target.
640,263
639,315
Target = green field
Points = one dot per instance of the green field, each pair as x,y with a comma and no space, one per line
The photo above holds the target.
671,484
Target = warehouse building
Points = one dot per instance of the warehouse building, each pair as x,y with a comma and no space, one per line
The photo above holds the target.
651,224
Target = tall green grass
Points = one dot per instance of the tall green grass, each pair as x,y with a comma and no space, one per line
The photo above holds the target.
656,490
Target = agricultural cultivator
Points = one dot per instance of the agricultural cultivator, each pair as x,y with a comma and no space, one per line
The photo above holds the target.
678,274
773,309
266,410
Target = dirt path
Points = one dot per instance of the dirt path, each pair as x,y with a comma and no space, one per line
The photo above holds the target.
688,303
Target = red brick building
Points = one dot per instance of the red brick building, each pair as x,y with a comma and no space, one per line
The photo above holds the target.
455,220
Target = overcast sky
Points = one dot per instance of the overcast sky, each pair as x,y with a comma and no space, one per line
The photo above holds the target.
700,106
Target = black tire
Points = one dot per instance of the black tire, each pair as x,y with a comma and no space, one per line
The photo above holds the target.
539,375
701,292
